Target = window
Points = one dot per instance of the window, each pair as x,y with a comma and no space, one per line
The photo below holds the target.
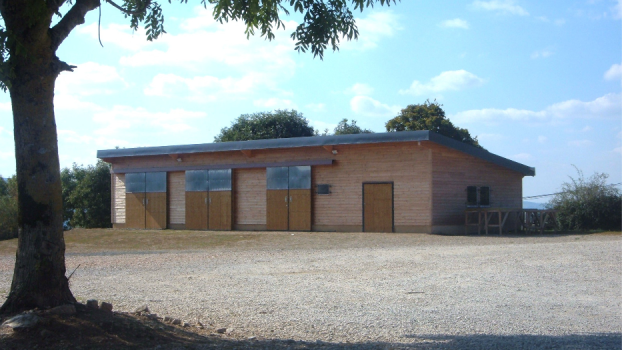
323,189
471,195
478,196
484,196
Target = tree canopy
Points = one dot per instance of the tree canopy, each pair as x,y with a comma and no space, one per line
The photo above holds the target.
266,125
8,208
86,195
429,116
588,204
343,128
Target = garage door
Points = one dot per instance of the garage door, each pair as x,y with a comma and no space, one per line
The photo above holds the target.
288,198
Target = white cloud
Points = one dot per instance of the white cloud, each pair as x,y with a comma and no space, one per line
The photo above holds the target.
490,137
605,107
521,157
69,102
617,10
359,89
614,72
580,143
500,6
557,22
446,81
5,132
372,29
316,107
71,136
204,88
455,23
90,78
542,139
617,150
203,42
367,106
130,118
275,103
120,35
586,128
7,155
541,54
322,126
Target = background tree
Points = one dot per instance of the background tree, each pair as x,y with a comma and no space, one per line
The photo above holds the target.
279,124
8,208
86,195
429,116
29,68
343,128
588,204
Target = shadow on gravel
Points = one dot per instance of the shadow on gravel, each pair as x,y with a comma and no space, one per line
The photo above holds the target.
94,329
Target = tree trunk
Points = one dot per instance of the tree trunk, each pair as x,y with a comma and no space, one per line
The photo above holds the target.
39,277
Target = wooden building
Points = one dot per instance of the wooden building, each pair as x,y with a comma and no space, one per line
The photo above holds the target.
416,181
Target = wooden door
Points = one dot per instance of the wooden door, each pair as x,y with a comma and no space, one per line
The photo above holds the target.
155,210
196,210
277,211
220,210
300,210
378,207
134,210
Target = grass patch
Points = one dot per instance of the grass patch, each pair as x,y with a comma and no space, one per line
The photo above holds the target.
106,240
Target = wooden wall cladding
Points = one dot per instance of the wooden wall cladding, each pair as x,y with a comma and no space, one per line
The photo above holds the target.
220,210
299,210
155,207
196,210
277,204
453,171
135,210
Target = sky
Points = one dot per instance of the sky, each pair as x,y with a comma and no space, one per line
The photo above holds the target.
538,82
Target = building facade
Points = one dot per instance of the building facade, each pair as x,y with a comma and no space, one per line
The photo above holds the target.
415,181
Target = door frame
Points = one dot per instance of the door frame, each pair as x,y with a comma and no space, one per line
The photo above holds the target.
392,201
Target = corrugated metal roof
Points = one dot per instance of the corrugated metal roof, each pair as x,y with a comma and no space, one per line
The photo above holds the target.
317,141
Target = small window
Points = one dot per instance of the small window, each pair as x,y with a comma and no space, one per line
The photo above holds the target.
323,189
471,195
484,196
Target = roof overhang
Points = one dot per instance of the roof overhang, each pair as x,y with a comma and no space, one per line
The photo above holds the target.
317,141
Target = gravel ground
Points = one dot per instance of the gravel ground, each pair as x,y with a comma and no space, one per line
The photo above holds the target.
382,290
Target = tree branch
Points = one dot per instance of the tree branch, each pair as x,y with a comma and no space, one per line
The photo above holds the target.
122,9
73,18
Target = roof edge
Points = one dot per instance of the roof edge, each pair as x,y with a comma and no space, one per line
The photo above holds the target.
319,141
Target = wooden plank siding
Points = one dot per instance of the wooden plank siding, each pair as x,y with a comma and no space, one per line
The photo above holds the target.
453,171
118,195
249,203
177,197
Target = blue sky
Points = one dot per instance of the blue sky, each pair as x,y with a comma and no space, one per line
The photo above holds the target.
538,82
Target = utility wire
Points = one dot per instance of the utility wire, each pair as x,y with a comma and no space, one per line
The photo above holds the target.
553,194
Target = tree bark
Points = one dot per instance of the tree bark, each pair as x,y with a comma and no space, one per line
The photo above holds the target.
39,276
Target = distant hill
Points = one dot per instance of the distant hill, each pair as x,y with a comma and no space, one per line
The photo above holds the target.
533,205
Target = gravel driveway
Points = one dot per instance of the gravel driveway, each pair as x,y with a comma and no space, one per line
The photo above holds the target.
381,289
